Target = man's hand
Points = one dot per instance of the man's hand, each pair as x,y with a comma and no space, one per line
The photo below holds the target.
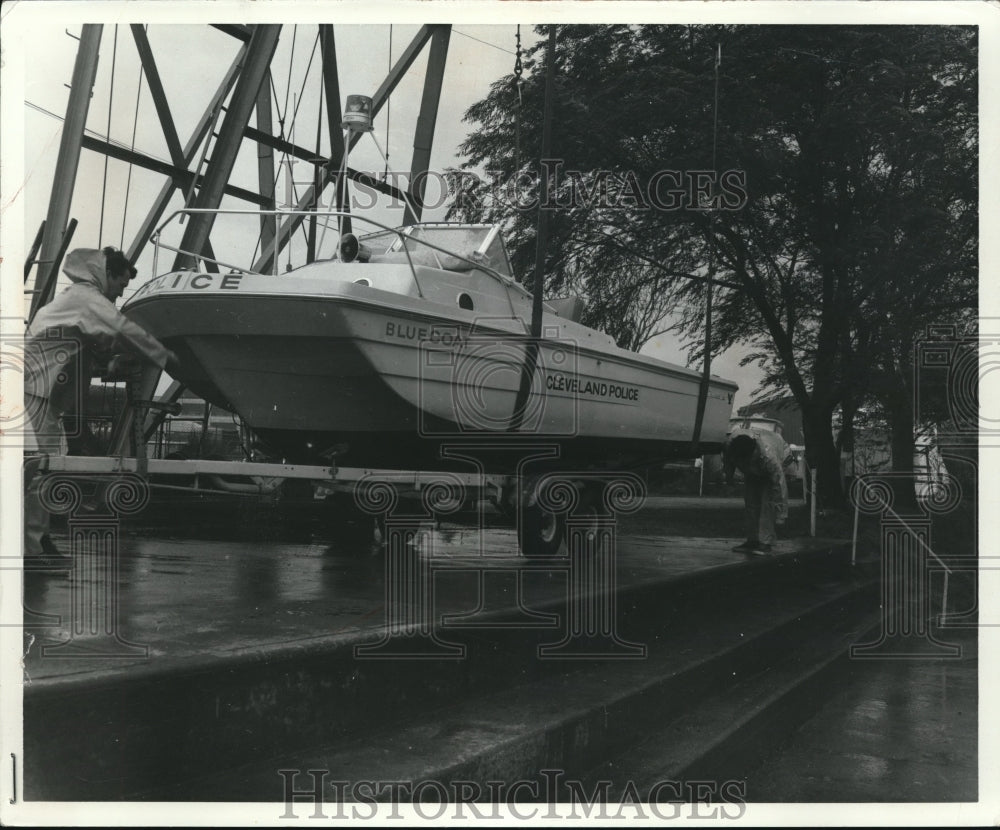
121,367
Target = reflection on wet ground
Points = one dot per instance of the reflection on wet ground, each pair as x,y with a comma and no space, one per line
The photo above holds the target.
226,584
203,586
900,730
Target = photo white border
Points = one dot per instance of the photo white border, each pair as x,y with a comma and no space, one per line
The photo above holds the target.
16,18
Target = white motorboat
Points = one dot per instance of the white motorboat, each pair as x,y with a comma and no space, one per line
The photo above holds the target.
413,339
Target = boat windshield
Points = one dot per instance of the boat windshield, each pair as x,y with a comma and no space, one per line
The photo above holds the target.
380,242
462,240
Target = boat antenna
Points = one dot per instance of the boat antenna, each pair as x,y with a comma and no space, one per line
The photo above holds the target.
295,110
388,112
538,286
706,375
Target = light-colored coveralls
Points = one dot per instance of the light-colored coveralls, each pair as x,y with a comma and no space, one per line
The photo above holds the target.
59,349
765,489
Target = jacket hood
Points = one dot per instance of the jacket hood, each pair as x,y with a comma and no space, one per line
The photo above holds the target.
87,266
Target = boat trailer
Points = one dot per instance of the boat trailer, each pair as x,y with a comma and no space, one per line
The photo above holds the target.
362,490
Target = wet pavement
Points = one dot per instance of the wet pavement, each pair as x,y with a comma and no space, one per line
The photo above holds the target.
896,730
202,594
246,612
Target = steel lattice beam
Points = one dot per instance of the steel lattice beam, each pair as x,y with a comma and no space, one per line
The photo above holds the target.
260,50
166,119
331,89
180,176
159,96
236,30
399,69
201,130
423,137
67,163
299,152
265,161
248,73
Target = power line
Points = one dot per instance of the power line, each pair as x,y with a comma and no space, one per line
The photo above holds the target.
95,133
484,42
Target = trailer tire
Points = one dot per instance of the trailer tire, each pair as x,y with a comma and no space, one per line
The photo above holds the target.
540,533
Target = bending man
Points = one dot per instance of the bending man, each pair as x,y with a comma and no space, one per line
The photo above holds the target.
60,346
761,455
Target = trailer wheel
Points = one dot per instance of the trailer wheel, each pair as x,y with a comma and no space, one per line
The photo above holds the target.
539,532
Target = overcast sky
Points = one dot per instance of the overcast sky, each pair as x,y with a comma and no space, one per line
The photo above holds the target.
37,61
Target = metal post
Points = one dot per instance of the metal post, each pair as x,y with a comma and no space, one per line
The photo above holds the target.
706,371
265,161
854,538
138,418
34,250
944,598
53,271
812,506
68,161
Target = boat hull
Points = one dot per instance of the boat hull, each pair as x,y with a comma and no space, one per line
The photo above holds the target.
379,380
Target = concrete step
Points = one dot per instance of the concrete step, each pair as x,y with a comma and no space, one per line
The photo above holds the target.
572,720
728,733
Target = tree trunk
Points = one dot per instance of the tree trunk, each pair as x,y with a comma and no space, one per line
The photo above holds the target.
845,441
897,399
821,454
901,429
899,413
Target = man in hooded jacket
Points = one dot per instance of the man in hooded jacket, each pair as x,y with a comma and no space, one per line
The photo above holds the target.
60,349
762,456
